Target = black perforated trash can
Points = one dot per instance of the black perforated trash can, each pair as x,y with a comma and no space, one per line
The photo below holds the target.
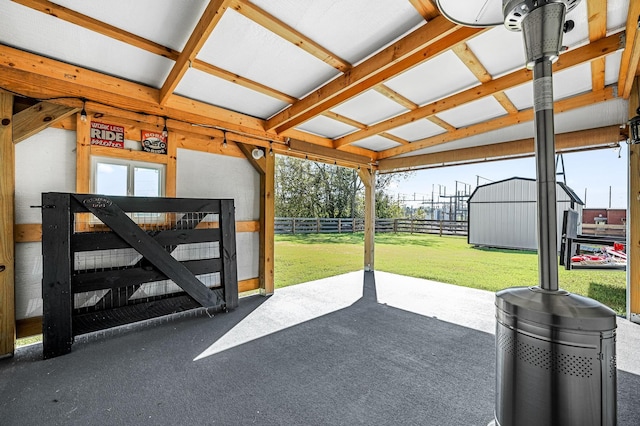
556,359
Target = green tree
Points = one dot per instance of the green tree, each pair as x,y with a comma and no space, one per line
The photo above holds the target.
310,189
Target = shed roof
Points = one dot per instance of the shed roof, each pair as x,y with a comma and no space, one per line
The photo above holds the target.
570,192
387,82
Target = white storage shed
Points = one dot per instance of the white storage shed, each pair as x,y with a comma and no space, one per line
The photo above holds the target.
503,214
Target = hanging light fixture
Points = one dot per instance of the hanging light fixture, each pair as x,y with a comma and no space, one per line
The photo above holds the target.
165,131
224,139
83,113
634,124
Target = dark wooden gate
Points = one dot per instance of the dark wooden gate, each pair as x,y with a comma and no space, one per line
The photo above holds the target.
110,261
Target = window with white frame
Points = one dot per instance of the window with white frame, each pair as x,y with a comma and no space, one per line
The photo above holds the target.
112,176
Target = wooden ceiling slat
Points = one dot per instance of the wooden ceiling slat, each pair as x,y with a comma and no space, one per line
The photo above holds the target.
631,53
345,120
440,122
506,103
472,62
597,17
395,138
520,148
427,41
209,19
523,116
571,58
241,81
395,96
288,33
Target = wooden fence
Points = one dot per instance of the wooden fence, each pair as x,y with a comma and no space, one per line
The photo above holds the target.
300,225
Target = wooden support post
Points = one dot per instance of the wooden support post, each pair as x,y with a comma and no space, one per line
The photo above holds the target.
633,238
265,166
172,161
7,247
368,178
267,221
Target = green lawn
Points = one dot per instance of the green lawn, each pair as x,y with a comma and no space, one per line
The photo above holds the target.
301,258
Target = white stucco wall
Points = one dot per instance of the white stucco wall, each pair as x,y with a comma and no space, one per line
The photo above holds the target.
204,175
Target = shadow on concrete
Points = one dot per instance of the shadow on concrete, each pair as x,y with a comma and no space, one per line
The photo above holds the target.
367,364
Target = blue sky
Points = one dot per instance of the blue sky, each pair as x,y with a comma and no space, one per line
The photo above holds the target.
594,171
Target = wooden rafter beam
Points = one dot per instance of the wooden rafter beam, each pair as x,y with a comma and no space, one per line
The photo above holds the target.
426,42
288,33
525,147
597,14
523,116
631,54
577,56
38,117
209,19
149,46
328,153
38,77
97,26
426,8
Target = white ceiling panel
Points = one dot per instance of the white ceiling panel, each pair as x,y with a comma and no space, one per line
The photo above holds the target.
376,143
156,20
326,127
566,83
608,113
521,96
54,38
369,108
473,112
617,14
367,25
612,68
572,81
580,33
206,88
499,50
243,47
419,129
434,79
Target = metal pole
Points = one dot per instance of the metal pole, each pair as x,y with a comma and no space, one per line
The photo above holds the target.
546,174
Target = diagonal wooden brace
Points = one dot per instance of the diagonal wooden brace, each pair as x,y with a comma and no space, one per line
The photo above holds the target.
116,219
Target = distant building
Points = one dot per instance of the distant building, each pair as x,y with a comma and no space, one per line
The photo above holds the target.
608,216
601,222
503,214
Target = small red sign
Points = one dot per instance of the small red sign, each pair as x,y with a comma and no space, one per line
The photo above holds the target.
154,142
104,134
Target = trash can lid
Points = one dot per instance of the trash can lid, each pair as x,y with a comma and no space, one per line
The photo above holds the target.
556,308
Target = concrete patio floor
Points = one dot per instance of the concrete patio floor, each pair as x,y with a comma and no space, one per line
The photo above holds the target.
394,351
